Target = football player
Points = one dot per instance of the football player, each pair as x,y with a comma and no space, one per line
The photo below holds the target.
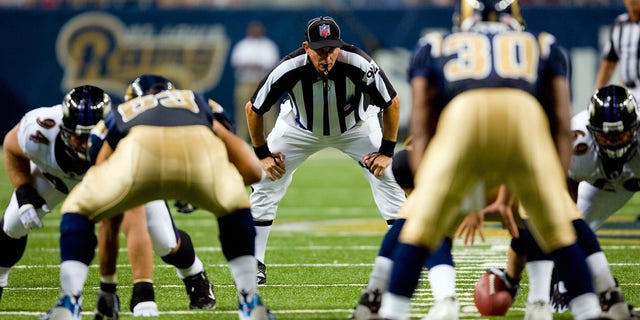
506,138
162,143
45,157
601,180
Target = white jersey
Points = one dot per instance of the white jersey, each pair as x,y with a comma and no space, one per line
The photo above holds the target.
37,134
599,195
39,129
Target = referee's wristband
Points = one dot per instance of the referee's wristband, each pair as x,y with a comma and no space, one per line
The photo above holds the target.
262,151
387,148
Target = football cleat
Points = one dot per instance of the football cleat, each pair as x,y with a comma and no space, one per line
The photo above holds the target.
614,306
447,308
66,308
368,306
200,291
107,306
1,289
253,309
539,310
559,299
146,309
261,277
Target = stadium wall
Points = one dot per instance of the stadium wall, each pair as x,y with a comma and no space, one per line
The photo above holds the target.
47,52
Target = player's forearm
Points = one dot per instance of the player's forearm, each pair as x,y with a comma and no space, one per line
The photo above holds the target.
562,109
419,122
240,155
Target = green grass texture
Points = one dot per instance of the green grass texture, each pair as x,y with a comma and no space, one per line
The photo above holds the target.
319,256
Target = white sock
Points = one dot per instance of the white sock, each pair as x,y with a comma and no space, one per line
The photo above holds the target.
4,276
379,277
395,307
73,275
600,272
539,280
109,278
195,268
262,235
443,281
244,269
585,306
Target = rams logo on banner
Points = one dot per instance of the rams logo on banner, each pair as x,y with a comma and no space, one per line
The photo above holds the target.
100,49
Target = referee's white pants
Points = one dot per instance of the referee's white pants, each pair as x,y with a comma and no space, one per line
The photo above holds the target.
298,144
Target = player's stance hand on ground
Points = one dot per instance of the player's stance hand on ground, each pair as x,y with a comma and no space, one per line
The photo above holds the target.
376,162
274,166
472,223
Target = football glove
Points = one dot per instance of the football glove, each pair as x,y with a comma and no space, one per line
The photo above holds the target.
32,207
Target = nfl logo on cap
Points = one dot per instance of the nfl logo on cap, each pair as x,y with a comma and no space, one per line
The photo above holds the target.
325,30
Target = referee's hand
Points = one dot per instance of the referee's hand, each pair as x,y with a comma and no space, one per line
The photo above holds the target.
376,163
274,166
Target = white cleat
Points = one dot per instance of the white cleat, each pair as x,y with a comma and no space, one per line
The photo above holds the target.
146,309
444,309
538,310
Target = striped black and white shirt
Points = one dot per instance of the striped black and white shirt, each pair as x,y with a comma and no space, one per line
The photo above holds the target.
328,105
623,49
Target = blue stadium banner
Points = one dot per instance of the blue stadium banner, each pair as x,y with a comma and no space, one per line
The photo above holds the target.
47,52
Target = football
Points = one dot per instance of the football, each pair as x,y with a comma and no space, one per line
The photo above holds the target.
490,296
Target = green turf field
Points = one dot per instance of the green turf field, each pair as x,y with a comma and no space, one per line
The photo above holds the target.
319,256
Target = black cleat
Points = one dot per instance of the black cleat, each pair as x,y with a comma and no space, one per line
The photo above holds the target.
368,306
107,306
200,291
261,277
614,306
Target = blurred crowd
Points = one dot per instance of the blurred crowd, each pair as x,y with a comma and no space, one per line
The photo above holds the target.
173,4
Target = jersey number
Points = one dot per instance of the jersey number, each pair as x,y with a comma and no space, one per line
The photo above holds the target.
181,99
515,55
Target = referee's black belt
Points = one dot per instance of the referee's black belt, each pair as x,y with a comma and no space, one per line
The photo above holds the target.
631,84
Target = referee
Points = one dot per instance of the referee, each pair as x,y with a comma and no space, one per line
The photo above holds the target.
623,48
334,94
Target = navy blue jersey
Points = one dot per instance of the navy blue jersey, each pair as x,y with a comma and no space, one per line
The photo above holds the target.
165,109
489,57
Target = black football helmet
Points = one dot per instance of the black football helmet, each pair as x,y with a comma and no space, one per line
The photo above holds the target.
82,108
147,84
613,122
471,12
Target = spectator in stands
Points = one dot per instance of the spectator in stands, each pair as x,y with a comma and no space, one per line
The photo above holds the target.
251,58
